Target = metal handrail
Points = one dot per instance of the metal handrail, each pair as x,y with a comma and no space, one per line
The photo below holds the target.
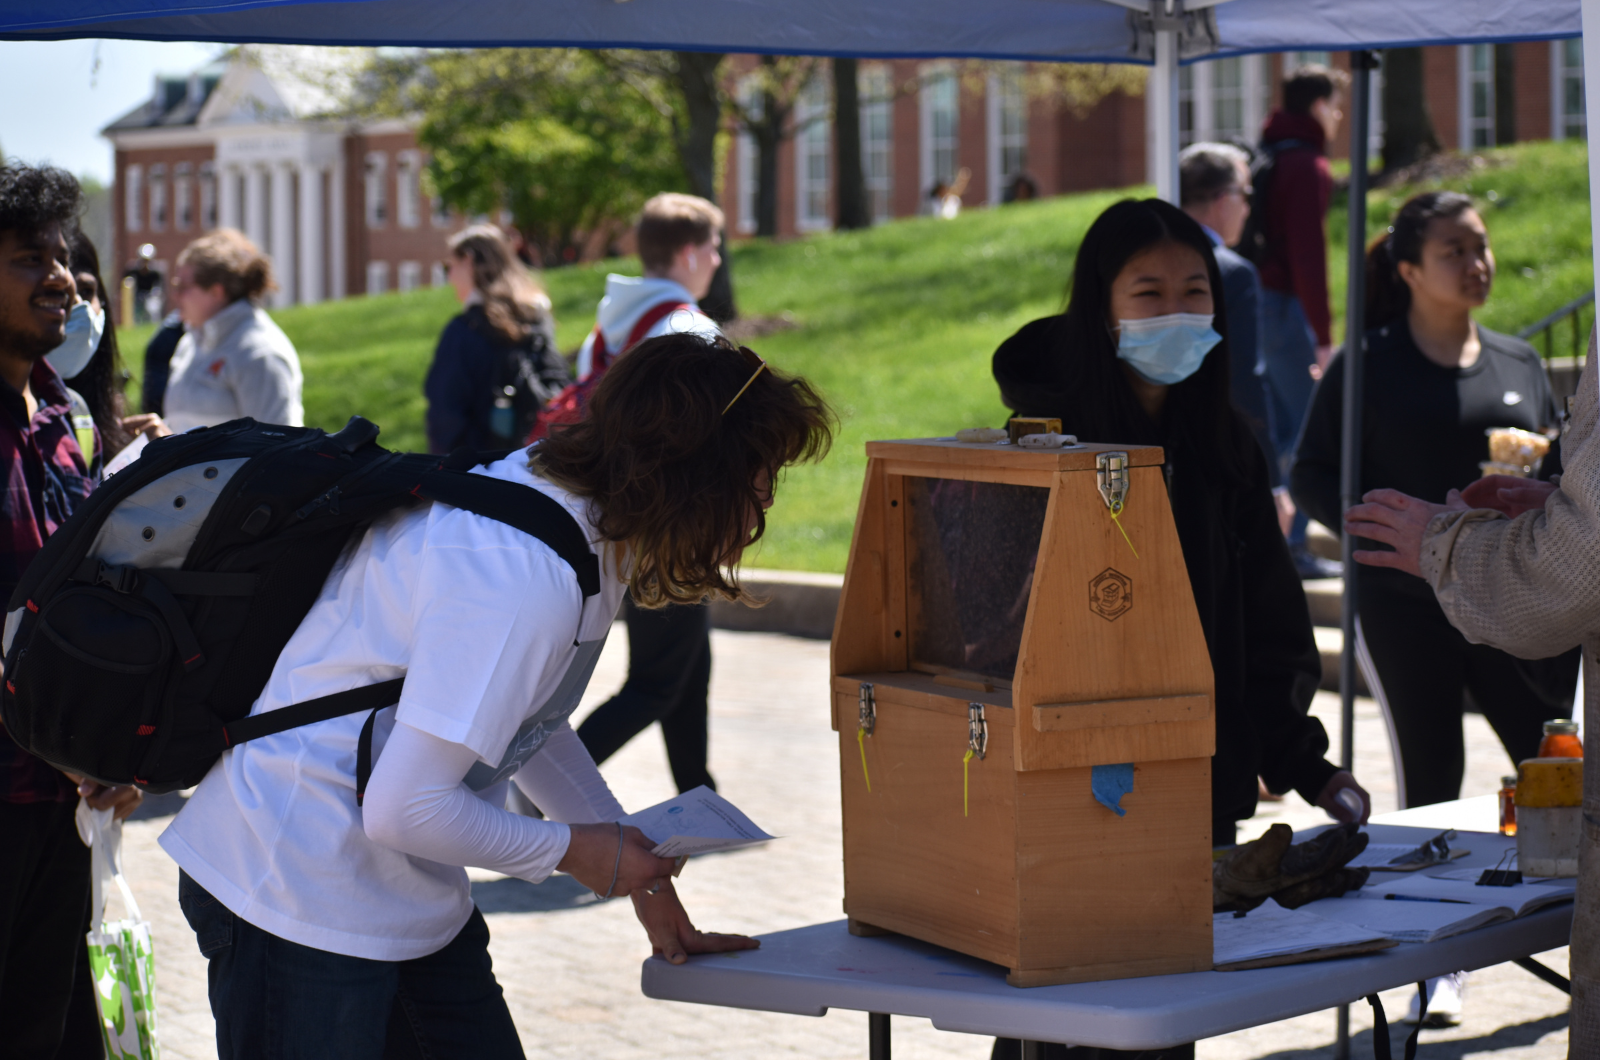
1548,326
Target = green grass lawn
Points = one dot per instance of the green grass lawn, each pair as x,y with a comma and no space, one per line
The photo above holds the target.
896,325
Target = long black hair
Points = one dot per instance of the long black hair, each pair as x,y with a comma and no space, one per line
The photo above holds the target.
1388,296
100,382
1086,381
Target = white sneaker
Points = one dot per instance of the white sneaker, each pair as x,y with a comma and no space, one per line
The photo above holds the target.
1444,1001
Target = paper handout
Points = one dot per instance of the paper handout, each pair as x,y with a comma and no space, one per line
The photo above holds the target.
1272,935
697,822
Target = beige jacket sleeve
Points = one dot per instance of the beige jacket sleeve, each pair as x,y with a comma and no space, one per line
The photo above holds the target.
1529,585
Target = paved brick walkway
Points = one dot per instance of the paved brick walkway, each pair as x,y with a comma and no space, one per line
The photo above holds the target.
570,967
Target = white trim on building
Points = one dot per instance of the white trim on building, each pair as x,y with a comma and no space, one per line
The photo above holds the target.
813,154
1007,127
1567,114
939,142
748,158
875,84
133,197
1475,96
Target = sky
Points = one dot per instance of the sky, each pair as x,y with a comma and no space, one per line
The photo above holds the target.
60,94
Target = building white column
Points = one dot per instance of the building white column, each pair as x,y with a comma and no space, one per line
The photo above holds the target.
227,197
255,205
336,228
311,233
283,253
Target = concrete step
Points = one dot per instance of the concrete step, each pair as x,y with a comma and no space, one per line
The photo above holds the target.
1325,597
1322,541
1330,642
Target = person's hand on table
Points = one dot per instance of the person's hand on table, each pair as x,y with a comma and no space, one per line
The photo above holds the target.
1508,494
1329,799
1399,521
148,423
121,798
672,936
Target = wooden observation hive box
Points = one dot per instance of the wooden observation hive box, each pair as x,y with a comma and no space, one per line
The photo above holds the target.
993,605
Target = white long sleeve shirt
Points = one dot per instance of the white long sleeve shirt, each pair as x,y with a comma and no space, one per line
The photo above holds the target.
496,644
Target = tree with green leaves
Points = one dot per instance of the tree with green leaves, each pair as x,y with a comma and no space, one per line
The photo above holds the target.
550,135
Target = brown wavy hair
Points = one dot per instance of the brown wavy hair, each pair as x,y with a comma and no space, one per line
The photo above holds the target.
228,257
512,300
673,477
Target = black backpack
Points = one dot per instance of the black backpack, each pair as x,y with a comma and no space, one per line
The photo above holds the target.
1263,168
143,632
526,376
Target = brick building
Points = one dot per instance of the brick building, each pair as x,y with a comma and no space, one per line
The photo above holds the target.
338,205
1478,96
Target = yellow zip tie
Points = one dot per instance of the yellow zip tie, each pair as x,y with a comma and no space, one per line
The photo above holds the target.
861,742
964,760
1116,517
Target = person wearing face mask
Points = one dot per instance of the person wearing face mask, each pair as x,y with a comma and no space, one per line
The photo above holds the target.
1141,357
91,362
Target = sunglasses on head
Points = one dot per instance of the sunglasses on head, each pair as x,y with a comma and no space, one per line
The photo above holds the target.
754,360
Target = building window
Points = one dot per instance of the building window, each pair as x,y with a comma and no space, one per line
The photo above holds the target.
377,277
1225,99
208,195
1568,118
158,197
133,197
876,88
409,276
940,119
1293,60
438,275
183,196
377,190
1477,95
408,190
440,212
1008,130
813,154
748,157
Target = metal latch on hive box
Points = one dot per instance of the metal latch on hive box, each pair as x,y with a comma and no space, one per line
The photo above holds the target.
977,730
867,716
1111,475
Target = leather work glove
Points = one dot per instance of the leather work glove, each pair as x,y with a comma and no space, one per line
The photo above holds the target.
1269,867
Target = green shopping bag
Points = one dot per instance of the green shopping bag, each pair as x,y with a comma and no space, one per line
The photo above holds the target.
120,955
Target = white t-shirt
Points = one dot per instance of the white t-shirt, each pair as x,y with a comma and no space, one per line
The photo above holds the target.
496,644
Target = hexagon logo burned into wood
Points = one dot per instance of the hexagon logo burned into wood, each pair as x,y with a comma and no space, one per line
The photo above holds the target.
1111,594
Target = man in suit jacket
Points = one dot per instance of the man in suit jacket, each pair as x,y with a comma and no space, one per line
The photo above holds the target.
1214,187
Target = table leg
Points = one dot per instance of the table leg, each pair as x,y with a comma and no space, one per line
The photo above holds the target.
878,1035
1031,1050
1555,979
1341,1042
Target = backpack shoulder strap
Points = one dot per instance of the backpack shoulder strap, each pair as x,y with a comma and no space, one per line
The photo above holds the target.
522,507
651,317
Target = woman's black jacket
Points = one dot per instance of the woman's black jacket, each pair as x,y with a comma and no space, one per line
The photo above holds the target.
1252,607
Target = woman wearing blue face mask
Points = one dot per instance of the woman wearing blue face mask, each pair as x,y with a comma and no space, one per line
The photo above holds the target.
1141,357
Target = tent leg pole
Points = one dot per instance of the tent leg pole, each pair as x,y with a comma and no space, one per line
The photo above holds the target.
1361,65
1162,113
878,1035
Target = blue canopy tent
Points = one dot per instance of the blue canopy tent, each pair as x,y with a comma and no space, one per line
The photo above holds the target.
1159,33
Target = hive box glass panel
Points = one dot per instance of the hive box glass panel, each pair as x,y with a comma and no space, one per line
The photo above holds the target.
1016,634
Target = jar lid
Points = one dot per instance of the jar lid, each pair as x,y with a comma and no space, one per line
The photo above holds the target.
1560,727
1508,782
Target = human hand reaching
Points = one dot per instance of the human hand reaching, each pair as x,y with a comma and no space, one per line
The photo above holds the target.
1398,520
1339,809
1508,494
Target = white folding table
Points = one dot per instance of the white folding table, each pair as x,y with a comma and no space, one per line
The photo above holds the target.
809,970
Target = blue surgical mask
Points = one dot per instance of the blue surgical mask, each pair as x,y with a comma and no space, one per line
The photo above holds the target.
85,325
1167,349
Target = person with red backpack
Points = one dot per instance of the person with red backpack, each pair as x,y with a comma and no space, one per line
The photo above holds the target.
669,649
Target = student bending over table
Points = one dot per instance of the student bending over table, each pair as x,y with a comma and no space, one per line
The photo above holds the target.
338,930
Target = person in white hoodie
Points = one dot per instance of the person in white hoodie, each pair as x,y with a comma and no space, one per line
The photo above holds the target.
669,648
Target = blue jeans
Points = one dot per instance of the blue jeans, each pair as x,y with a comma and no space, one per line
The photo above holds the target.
1289,349
278,1000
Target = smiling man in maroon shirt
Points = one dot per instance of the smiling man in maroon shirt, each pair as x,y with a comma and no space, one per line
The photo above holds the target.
46,1002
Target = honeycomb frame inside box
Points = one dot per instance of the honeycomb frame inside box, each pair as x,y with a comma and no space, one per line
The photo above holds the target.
1012,619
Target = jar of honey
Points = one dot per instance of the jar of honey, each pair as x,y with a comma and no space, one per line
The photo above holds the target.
1508,805
1561,739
